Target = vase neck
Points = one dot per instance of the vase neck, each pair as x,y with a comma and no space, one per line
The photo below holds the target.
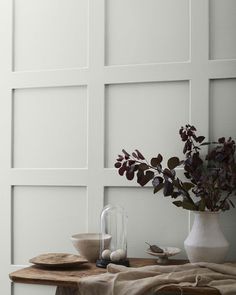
203,218
206,214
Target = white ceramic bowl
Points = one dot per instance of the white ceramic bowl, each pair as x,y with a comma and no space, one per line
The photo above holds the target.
88,244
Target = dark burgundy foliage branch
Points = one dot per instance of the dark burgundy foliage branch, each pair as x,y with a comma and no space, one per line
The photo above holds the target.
212,180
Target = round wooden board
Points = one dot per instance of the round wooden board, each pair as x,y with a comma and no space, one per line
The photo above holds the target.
58,260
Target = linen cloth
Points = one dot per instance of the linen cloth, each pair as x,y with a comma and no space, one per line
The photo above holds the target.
121,280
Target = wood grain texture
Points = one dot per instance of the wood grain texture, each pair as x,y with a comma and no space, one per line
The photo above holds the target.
69,277
58,260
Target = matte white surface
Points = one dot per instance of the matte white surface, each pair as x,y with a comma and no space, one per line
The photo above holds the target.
222,108
141,31
222,123
146,221
228,224
50,34
222,29
145,117
44,218
23,289
88,244
206,241
148,42
50,127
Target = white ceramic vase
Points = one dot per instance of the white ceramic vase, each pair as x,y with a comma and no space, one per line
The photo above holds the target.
206,241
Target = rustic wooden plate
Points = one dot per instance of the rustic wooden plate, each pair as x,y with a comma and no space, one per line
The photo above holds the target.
58,260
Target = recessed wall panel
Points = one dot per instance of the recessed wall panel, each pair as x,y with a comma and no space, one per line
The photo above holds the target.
50,127
23,289
222,29
50,34
222,108
228,224
151,218
140,31
222,123
44,218
145,116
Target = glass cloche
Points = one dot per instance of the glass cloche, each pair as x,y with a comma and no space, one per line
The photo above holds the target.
113,226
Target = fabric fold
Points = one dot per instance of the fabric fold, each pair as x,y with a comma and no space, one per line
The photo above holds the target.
121,280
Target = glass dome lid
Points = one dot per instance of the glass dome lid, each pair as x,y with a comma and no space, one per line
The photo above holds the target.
113,239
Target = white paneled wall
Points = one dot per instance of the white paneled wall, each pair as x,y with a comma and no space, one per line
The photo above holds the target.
45,123
222,108
44,218
146,221
82,79
222,29
50,34
141,110
157,31
31,289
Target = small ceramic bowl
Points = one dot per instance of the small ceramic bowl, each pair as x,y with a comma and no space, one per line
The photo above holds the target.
163,257
88,244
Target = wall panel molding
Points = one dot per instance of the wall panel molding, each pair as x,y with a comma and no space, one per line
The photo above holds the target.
99,52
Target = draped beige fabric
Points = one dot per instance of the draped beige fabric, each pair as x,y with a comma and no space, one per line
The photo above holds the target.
120,280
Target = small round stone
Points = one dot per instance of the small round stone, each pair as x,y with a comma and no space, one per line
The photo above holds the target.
106,254
115,256
122,253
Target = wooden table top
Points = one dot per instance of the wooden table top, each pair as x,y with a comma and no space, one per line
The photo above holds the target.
69,277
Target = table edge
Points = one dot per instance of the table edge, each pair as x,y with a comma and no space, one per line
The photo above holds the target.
16,278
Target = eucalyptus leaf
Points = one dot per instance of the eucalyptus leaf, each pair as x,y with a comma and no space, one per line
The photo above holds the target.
158,188
178,203
117,164
155,162
130,175
167,173
211,177
173,163
188,185
168,188
140,155
200,139
126,154
188,205
155,248
202,205
143,166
